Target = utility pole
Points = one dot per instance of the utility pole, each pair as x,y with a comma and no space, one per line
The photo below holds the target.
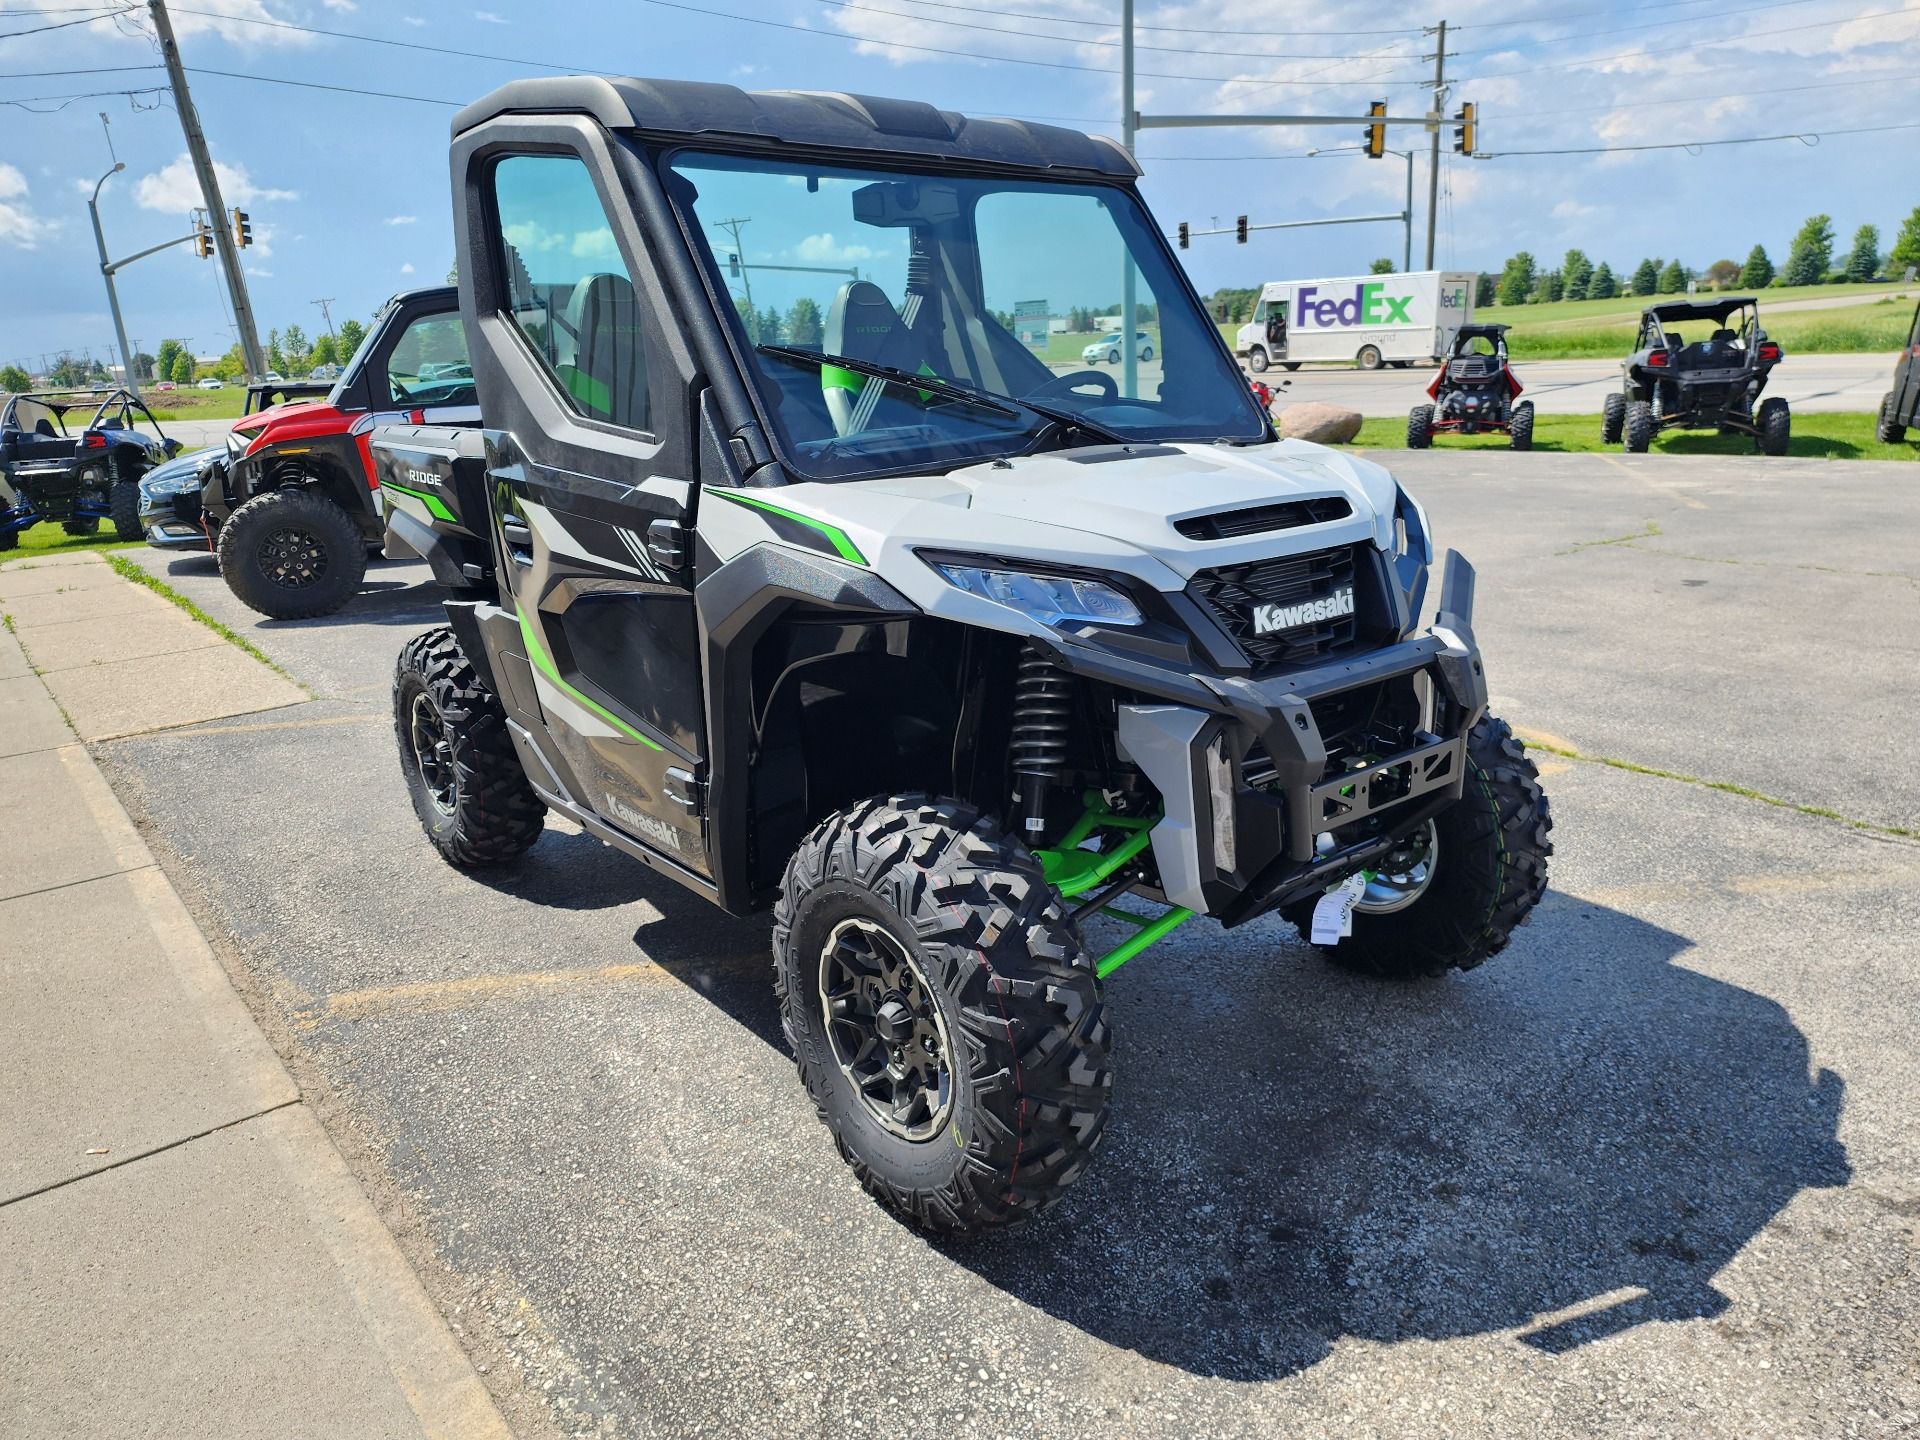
326,315
1439,109
106,273
732,227
1130,366
217,214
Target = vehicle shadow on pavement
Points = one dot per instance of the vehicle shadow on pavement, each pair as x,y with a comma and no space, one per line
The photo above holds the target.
1585,1127
398,601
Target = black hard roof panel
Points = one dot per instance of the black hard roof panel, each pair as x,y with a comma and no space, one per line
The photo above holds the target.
1700,309
1474,327
694,110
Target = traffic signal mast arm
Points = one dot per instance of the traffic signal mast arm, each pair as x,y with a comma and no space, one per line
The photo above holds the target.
187,239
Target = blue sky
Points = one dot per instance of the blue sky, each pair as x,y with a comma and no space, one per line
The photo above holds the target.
350,194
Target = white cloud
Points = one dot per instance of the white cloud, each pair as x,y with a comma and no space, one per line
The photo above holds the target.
20,227
228,20
258,273
595,244
823,249
344,5
488,17
175,189
406,269
415,21
402,219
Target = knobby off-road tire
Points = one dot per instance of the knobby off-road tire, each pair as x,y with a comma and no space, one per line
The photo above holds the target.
124,502
1775,422
1520,426
9,540
88,526
462,774
292,554
1000,968
1886,429
1637,431
1613,417
1420,427
1490,870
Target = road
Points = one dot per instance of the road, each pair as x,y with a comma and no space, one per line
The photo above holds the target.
1650,1172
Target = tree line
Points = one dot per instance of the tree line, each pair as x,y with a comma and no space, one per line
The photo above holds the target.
1812,259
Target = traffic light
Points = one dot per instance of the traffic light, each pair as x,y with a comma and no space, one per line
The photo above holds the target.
733,264
202,241
1376,133
242,229
1467,131
1184,232
1240,230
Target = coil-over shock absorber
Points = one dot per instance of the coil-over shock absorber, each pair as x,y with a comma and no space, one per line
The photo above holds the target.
1042,699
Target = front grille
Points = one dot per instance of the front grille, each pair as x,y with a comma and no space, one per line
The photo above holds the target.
1260,519
1234,592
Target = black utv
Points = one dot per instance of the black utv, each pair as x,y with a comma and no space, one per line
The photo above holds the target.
1900,406
77,477
982,674
1698,365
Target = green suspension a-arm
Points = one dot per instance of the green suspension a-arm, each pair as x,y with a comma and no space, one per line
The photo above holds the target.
1073,871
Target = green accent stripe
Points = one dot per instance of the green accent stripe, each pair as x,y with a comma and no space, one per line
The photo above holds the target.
847,549
436,507
541,662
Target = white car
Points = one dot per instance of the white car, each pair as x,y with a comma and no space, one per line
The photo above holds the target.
212,382
1107,349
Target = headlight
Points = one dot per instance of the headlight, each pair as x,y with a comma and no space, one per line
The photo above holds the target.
192,482
1050,599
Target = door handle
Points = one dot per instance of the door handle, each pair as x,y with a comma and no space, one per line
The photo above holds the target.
519,539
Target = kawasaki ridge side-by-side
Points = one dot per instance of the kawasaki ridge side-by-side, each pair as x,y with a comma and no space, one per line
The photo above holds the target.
803,581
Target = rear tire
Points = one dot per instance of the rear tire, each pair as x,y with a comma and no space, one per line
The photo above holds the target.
461,770
1638,427
1420,427
292,554
1257,360
10,540
1613,416
1887,430
1490,870
88,526
1290,366
1369,358
983,972
1775,422
1520,427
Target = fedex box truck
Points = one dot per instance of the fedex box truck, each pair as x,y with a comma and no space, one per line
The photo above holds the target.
1369,320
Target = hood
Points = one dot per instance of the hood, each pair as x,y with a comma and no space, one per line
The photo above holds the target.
189,466
296,411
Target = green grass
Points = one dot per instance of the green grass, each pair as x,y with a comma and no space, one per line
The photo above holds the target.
47,538
1839,436
197,404
130,571
1627,308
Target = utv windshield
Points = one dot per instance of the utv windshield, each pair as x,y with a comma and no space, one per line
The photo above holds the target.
1007,297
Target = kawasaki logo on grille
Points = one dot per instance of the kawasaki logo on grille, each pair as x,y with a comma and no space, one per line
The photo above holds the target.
1269,618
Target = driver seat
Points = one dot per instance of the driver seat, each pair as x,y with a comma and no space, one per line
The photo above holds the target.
863,325
607,376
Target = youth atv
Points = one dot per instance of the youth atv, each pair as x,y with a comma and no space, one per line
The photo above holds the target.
1693,370
1475,390
76,478
291,513
859,611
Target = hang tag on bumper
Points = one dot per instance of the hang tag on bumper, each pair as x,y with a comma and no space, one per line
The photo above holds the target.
1333,912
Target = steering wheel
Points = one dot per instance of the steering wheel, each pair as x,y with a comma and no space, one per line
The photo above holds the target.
1070,383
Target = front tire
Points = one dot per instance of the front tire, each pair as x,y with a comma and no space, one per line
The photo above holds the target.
124,499
1520,427
1638,427
1146,355
1420,427
1887,429
461,770
292,554
1489,869
1257,360
88,526
946,1021
1613,417
1775,422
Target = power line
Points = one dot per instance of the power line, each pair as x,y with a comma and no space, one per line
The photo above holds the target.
90,70
1805,137
27,102
1554,19
317,85
103,14
1650,25
1170,29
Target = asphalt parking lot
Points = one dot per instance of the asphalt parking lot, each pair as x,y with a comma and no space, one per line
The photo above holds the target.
1653,1171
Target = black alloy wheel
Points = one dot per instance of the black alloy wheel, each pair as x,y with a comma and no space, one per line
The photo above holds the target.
885,1029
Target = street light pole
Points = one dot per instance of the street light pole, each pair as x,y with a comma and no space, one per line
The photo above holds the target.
1406,264
106,273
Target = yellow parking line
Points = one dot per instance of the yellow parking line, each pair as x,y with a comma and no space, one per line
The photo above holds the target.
435,995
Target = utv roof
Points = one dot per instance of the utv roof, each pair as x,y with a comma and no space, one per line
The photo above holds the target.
1700,309
1492,332
857,124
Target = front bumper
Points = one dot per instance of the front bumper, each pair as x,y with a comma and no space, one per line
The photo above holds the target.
173,522
1261,810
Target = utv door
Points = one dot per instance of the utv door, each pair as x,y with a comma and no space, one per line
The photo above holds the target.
589,463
